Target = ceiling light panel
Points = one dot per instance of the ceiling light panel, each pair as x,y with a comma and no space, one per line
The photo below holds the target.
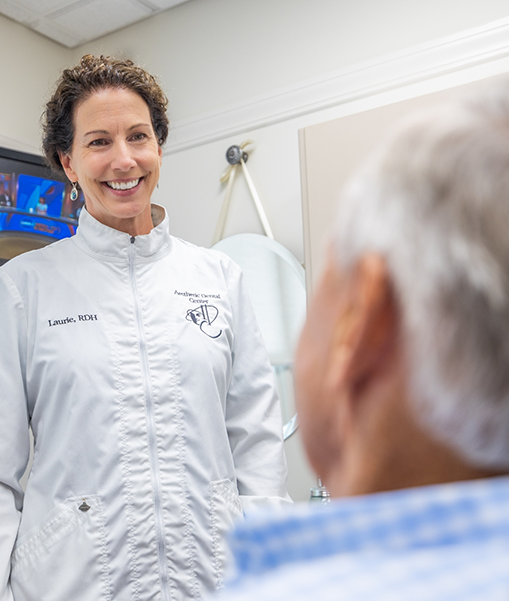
74,22
18,13
59,34
83,21
45,7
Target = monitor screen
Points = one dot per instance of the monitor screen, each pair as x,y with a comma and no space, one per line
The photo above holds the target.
35,204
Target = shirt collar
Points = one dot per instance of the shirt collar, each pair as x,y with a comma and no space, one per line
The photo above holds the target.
394,521
101,240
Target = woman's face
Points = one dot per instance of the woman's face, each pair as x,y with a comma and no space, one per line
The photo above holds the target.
116,159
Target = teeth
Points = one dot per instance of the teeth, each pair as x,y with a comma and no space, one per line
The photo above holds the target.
123,185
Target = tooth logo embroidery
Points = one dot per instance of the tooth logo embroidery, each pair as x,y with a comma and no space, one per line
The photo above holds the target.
203,316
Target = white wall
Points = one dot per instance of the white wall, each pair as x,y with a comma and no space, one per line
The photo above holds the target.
29,65
210,53
236,68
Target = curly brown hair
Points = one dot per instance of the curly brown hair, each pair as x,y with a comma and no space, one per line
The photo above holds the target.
75,85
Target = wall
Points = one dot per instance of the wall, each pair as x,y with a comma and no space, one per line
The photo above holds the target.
30,64
213,53
235,69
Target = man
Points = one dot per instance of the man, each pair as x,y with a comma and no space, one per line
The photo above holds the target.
402,375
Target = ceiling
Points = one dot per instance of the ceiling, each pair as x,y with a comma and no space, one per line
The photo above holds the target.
73,22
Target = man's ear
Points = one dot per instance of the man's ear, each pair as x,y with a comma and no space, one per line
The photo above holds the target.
366,330
66,161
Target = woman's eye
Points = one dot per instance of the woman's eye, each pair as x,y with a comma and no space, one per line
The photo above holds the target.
99,142
138,136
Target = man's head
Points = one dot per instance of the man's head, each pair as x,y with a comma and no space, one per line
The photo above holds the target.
403,367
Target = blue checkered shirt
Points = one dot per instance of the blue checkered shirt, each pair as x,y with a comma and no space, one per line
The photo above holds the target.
436,543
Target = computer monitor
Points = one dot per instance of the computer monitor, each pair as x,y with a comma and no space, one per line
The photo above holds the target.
35,204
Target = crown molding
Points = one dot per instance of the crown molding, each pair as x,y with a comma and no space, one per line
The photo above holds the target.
419,63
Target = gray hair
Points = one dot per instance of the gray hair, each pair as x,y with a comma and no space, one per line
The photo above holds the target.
434,201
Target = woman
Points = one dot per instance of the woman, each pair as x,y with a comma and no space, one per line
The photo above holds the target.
135,358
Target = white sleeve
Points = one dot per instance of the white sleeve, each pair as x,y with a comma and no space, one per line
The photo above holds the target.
253,412
14,436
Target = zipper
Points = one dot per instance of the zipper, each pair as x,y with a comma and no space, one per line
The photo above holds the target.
149,407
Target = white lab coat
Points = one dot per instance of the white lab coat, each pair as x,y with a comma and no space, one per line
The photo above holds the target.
140,367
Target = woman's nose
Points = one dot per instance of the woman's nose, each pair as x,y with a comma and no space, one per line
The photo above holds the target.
123,159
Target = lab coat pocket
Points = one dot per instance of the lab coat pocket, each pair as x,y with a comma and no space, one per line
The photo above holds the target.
225,509
66,557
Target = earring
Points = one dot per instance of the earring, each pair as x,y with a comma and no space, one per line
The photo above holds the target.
74,191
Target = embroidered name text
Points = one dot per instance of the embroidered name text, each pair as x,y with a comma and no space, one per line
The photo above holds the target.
67,320
61,322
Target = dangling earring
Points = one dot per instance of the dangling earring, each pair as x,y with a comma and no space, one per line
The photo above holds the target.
74,191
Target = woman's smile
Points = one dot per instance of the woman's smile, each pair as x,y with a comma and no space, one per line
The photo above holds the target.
122,186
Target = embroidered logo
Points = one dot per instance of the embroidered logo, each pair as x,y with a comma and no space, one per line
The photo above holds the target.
204,316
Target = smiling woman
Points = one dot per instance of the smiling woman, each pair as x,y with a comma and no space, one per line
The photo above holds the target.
153,403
